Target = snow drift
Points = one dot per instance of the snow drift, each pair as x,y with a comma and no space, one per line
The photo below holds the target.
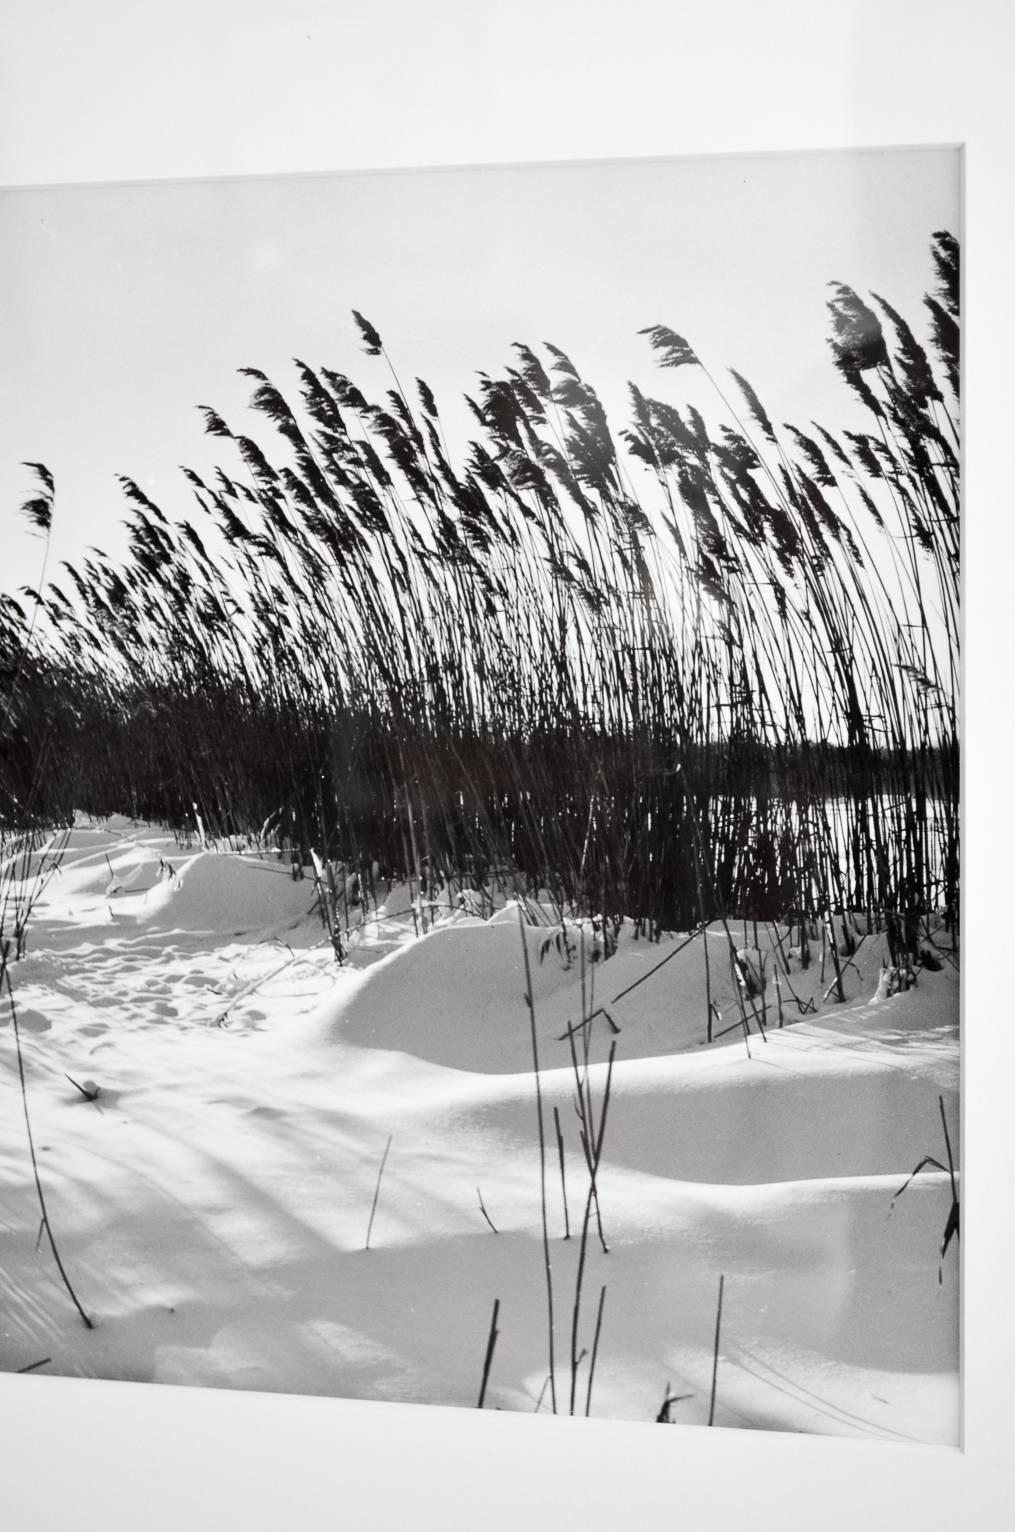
211,1203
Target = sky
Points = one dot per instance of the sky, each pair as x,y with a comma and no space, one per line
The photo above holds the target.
123,307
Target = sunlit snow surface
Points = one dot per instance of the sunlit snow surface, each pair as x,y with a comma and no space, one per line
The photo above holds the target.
211,1204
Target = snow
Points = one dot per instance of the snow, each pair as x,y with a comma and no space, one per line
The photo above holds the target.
211,1203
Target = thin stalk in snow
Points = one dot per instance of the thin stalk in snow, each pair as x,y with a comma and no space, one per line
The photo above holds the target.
377,1190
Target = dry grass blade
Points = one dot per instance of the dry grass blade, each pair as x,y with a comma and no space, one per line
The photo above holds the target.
34,1366
485,1214
715,1353
490,1345
5,976
377,1191
951,1230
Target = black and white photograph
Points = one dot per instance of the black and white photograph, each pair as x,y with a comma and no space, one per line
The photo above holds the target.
480,857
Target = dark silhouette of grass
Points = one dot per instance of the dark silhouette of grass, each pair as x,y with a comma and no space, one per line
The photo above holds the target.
670,673
5,978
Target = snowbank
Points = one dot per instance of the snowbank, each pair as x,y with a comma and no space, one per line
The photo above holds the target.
212,1202
228,895
457,996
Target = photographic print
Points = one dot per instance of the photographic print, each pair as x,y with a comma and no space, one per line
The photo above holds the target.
479,788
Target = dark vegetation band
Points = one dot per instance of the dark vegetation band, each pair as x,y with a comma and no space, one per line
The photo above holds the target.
680,672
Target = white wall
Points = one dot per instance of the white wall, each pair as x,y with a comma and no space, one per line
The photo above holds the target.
112,89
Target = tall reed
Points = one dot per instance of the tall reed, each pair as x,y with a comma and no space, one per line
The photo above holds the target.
668,673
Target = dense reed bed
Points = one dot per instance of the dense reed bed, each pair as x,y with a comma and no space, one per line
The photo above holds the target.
672,672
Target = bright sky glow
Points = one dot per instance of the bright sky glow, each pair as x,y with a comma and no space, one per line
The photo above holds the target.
124,307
